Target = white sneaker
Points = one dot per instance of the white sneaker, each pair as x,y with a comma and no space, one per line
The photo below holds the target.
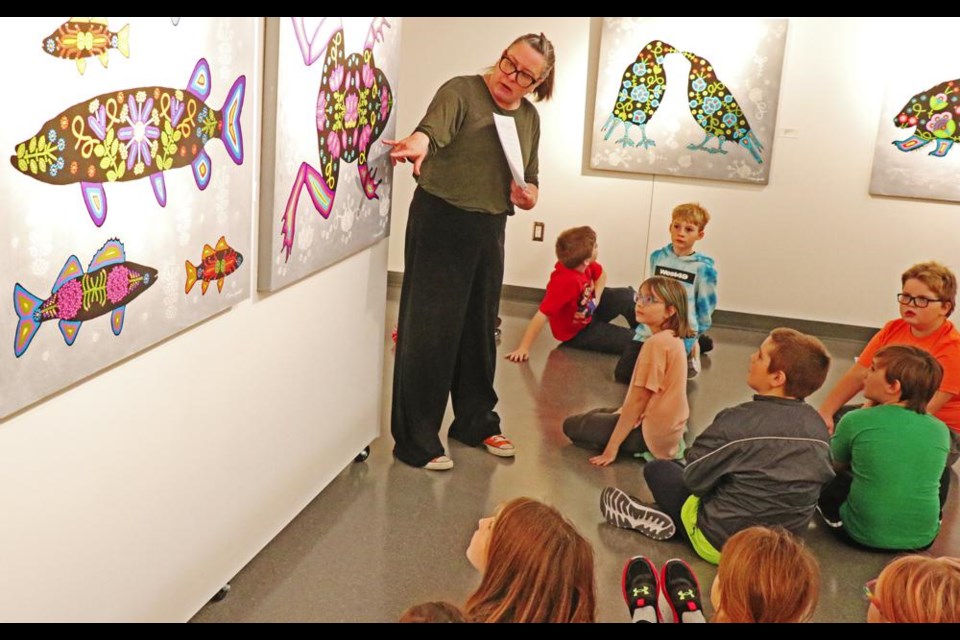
440,463
693,362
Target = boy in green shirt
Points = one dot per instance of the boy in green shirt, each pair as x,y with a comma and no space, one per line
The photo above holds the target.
890,457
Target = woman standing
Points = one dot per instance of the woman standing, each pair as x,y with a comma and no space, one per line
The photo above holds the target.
453,252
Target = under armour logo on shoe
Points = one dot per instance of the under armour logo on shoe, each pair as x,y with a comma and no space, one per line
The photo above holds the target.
641,591
683,595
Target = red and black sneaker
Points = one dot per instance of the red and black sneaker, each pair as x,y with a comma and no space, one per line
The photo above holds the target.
681,589
641,587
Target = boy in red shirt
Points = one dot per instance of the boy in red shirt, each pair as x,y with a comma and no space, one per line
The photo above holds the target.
577,303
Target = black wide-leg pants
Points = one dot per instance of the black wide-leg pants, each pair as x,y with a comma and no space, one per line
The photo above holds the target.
453,272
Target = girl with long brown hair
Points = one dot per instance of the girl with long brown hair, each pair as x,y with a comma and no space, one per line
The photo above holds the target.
536,567
653,417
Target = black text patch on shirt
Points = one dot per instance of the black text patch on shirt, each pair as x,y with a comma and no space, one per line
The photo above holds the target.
675,274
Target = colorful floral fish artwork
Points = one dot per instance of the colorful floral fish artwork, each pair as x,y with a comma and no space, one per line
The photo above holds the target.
933,115
216,263
81,38
109,284
353,106
132,134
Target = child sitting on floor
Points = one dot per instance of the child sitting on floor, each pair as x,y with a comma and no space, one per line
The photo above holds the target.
578,304
654,414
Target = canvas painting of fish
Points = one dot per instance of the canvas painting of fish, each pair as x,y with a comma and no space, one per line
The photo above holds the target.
86,291
216,263
109,284
81,38
131,134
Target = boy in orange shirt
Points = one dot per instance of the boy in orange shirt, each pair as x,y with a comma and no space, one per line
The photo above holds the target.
927,297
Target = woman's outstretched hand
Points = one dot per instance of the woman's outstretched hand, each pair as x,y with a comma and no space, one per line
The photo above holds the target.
413,148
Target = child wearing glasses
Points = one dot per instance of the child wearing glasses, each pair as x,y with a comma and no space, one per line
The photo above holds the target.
890,458
927,297
916,589
695,271
653,417
577,303
762,462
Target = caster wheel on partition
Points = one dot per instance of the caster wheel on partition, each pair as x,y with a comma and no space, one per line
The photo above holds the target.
363,455
220,595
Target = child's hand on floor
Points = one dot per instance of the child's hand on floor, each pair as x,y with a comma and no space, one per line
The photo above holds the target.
603,459
518,355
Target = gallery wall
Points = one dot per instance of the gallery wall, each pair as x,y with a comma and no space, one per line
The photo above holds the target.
137,492
813,244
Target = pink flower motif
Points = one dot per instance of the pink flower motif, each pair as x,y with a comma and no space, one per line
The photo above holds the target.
118,283
69,299
384,104
333,145
367,75
364,138
336,78
352,112
939,122
321,111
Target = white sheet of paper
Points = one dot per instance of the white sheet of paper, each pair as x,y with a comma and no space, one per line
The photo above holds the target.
510,141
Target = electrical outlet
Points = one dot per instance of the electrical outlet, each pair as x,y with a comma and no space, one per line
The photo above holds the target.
538,232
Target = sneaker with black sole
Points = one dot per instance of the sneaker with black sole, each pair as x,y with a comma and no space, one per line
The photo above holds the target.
641,588
681,589
625,511
706,343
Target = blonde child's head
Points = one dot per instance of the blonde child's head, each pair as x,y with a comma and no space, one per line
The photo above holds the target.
576,245
917,589
802,358
691,212
938,278
917,372
765,575
674,297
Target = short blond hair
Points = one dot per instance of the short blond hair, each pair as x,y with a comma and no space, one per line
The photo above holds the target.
919,589
691,212
938,279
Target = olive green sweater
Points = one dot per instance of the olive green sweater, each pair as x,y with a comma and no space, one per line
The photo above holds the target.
466,165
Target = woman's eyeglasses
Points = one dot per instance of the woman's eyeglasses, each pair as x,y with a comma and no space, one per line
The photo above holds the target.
508,67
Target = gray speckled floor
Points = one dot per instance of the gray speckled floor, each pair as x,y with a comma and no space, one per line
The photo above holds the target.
383,536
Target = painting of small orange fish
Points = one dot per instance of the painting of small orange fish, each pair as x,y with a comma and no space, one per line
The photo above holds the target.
81,38
216,263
